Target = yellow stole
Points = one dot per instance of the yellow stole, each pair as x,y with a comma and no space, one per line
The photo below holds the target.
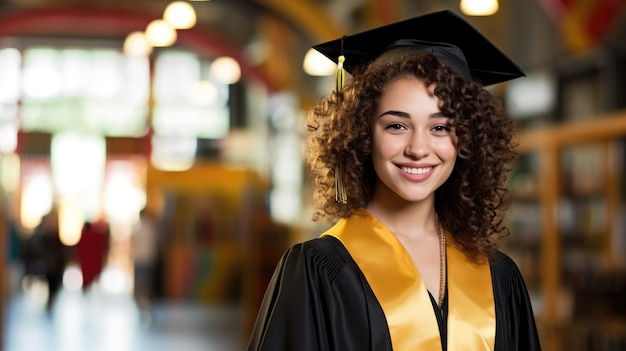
399,288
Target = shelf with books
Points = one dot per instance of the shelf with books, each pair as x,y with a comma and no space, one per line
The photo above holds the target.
566,226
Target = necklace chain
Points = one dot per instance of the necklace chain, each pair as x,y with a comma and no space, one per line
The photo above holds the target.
442,262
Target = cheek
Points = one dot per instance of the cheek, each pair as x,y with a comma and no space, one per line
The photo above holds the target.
384,145
447,149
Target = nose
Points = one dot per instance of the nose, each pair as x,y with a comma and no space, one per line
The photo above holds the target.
418,145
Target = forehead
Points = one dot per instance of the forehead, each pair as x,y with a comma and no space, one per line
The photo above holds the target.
407,92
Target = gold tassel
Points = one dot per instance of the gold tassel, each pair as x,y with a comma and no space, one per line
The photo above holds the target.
341,73
340,192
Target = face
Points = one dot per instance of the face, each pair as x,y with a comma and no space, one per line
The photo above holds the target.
414,145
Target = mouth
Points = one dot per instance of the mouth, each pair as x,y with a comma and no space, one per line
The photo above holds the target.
417,171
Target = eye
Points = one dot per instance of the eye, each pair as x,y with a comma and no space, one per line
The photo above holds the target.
395,126
441,128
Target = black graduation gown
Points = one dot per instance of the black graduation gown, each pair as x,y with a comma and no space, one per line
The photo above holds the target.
319,300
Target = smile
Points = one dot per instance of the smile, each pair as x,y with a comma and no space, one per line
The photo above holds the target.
416,170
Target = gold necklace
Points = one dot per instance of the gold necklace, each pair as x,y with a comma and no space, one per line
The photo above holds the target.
442,261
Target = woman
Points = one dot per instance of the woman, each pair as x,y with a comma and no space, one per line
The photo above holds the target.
411,157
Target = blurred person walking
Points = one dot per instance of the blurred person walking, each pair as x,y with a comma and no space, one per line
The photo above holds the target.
145,250
45,255
93,250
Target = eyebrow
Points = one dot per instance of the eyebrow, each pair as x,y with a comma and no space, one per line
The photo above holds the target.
406,115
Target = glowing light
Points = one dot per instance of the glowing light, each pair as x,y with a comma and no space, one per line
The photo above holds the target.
479,7
225,70
137,44
36,199
71,221
78,162
180,15
160,33
122,198
316,64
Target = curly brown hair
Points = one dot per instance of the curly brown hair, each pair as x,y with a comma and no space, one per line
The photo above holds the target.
471,203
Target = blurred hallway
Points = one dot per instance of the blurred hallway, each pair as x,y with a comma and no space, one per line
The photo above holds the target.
104,322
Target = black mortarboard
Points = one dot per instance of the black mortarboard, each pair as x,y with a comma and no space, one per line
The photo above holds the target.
453,40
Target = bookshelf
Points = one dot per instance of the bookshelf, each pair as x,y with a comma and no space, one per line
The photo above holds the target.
567,226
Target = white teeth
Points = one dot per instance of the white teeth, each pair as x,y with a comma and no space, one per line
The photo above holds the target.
417,170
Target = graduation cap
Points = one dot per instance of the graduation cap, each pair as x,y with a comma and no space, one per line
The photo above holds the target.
449,37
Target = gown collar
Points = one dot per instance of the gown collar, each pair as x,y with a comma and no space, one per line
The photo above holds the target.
399,288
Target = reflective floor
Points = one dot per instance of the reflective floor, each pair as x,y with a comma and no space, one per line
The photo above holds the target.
105,322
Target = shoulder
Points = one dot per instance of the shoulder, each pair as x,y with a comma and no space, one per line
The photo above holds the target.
502,260
325,255
502,265
505,273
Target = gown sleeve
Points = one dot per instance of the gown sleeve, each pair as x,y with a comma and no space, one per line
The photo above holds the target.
318,301
516,329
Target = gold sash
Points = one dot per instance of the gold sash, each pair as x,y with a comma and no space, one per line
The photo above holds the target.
399,288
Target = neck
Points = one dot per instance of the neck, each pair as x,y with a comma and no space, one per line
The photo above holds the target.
414,220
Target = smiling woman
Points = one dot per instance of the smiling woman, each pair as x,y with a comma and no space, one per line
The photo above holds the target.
422,151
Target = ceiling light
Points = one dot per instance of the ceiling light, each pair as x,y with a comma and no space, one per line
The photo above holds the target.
316,64
225,70
137,44
160,33
479,7
180,15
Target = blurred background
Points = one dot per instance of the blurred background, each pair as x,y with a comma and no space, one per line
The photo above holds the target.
151,162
